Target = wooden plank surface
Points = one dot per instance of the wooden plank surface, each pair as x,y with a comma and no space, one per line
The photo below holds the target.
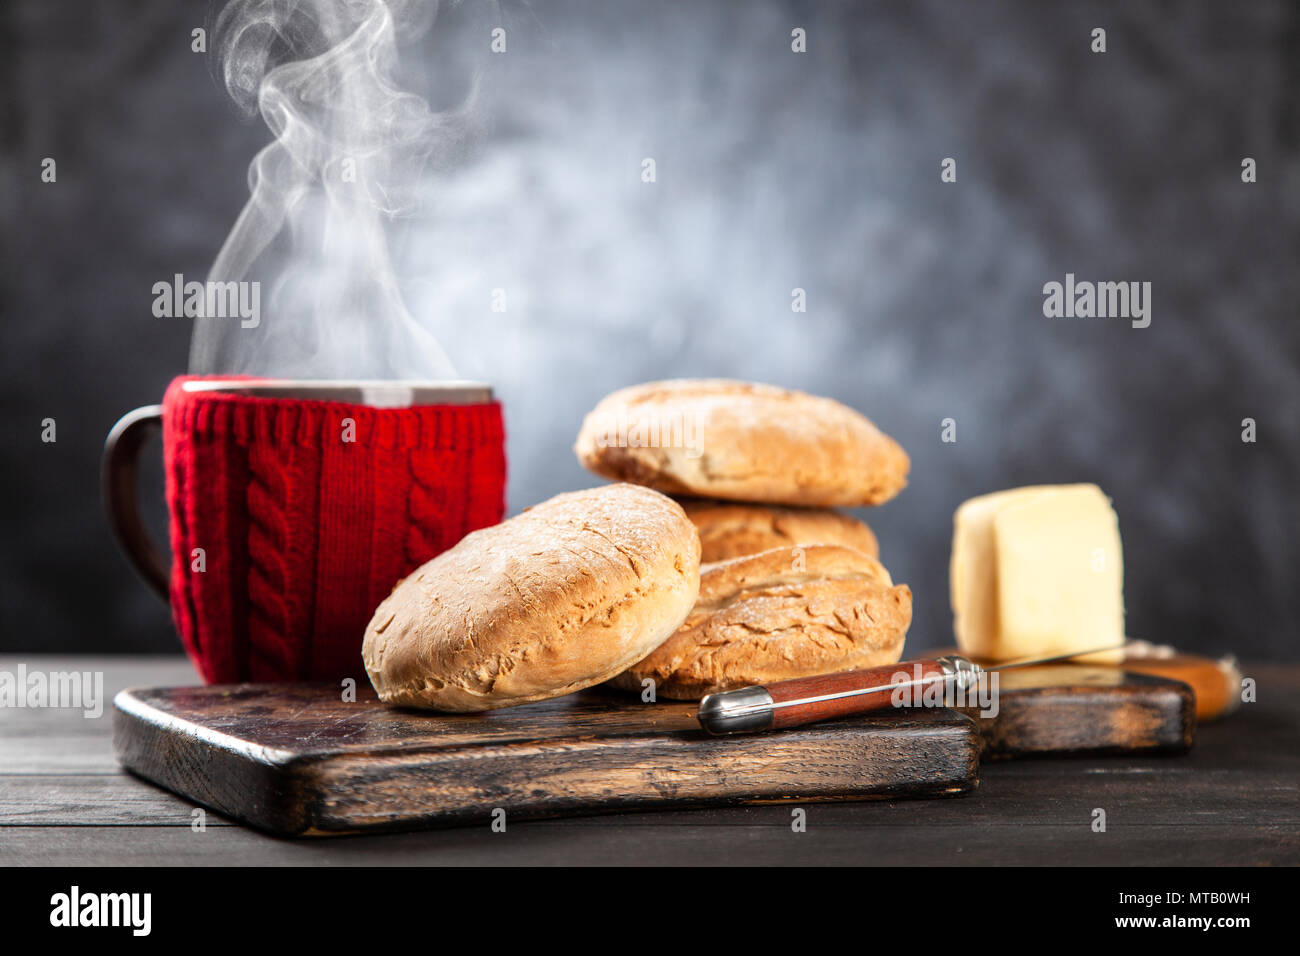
1235,798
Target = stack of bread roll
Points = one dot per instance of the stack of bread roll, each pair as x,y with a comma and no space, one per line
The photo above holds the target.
717,561
789,587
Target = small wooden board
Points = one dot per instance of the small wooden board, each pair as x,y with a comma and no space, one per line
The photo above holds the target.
295,759
1059,709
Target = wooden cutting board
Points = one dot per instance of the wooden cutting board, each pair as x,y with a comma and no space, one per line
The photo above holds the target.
1060,709
295,759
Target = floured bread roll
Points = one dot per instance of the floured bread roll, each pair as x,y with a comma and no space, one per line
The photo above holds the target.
788,612
561,597
734,530
713,438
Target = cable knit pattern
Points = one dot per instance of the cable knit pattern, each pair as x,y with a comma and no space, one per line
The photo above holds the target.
304,532
268,573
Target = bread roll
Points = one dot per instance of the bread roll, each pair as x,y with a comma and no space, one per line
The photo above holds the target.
788,612
734,530
713,438
561,597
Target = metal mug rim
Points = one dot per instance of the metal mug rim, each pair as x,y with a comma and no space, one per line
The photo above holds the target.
379,393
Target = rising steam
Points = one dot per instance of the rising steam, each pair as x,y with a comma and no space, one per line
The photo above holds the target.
351,153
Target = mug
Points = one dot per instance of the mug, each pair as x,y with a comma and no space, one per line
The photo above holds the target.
296,506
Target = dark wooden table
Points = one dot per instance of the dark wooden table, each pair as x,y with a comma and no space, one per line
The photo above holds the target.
1234,800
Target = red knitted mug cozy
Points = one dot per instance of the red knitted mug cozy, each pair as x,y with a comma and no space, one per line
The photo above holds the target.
285,536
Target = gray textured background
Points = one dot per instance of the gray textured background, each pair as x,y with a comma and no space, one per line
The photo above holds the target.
775,170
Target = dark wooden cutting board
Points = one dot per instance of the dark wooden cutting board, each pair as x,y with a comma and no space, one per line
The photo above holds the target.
1061,709
298,760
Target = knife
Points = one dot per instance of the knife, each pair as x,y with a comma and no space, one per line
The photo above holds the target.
807,700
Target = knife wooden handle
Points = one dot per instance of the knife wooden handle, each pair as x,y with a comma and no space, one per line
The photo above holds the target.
802,700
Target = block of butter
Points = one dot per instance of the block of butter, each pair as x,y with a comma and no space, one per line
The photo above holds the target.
1037,571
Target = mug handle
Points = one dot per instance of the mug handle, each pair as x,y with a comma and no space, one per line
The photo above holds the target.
118,480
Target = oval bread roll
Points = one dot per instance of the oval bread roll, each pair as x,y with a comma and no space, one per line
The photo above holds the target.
713,438
734,530
563,596
788,612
